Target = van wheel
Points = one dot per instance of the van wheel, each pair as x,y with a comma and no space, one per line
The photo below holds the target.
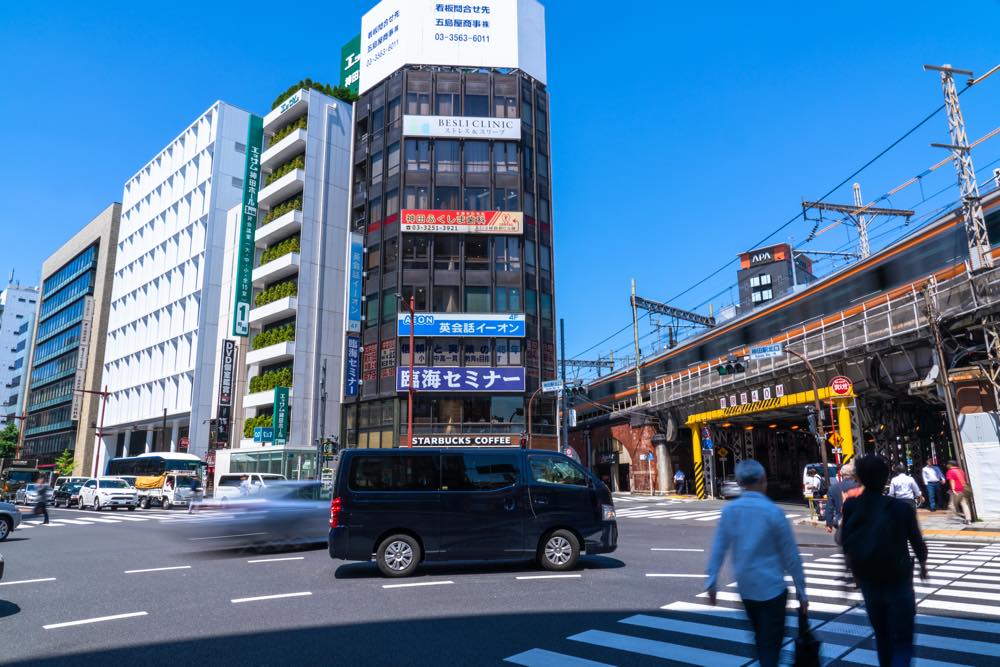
559,551
398,555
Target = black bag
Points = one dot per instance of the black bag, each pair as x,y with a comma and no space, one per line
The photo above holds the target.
806,644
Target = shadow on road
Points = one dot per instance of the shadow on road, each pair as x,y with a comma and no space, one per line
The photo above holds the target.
370,570
8,609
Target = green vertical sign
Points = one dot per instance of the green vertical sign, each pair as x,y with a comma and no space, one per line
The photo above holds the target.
350,64
248,225
279,418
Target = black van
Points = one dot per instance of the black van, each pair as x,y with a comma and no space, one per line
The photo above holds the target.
404,506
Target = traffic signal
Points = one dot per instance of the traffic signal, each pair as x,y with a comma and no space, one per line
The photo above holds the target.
811,418
731,368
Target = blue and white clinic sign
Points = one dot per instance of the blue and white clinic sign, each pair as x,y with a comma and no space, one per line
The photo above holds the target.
354,283
352,366
472,379
499,325
263,434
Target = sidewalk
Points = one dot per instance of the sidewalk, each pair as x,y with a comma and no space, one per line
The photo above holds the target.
942,524
670,495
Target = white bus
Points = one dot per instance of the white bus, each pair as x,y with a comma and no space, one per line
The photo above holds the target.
154,464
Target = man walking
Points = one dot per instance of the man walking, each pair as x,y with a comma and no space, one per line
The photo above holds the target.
959,486
904,487
679,483
42,505
875,533
847,487
763,550
932,480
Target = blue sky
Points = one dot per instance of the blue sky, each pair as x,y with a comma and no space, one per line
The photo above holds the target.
682,134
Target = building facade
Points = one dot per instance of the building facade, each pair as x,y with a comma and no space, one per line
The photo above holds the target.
62,402
451,206
770,273
161,350
17,317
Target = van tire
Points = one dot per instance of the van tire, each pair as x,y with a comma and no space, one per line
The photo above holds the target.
559,550
398,555
144,503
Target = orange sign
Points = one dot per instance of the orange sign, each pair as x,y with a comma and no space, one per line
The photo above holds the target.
463,222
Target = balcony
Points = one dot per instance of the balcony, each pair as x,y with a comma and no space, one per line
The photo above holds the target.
284,266
262,399
284,226
291,109
283,188
281,152
274,311
271,354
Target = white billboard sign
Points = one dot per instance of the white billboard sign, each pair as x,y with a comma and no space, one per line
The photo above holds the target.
488,33
462,127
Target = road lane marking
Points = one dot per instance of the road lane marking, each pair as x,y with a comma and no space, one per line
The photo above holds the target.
100,619
687,576
419,583
658,649
272,597
666,549
274,560
26,581
222,537
551,576
538,657
93,518
74,522
159,569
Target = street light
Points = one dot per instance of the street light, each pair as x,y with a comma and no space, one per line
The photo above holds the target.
409,384
100,428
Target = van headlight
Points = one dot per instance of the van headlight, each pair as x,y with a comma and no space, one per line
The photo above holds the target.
608,512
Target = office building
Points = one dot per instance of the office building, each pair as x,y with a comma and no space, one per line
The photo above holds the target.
17,317
767,274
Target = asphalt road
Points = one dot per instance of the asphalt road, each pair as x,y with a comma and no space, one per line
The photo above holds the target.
174,604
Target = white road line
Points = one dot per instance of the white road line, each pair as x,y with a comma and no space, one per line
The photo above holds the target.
100,619
52,525
964,645
681,576
981,577
222,537
792,604
132,518
538,657
74,522
274,560
272,597
26,581
803,553
159,569
958,623
972,595
419,583
550,576
960,607
666,549
103,520
658,649
709,518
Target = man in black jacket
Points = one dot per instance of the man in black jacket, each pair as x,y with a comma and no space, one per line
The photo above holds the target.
840,491
874,534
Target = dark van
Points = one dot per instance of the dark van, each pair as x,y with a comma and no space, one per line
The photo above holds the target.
404,506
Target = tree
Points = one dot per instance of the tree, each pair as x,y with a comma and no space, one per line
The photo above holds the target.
64,464
8,440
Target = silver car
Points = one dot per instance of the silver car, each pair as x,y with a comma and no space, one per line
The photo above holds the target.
28,495
730,488
10,519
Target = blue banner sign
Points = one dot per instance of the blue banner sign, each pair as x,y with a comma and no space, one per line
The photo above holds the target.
454,379
263,434
352,366
499,325
354,283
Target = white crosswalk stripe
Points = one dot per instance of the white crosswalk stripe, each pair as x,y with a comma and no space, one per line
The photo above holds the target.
957,623
82,519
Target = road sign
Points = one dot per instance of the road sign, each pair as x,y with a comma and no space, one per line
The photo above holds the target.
722,452
263,434
550,386
841,385
767,351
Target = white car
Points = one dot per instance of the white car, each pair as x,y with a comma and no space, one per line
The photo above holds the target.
228,487
101,492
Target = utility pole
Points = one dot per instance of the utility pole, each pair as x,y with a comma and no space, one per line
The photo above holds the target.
864,248
321,436
638,358
564,423
820,439
857,215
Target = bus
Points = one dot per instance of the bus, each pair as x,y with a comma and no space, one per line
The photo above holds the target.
155,464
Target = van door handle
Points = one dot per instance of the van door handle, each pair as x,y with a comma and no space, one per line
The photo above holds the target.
509,504
541,500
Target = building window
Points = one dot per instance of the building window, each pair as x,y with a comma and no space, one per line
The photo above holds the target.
419,294
447,253
477,256
477,157
394,109
415,251
504,106
477,105
529,163
445,352
477,199
546,307
477,299
530,302
529,254
446,157
509,352
446,198
376,173
418,155
544,259
447,104
391,247
418,104
506,199
393,159
529,204
447,299
417,197
371,310
508,300
760,288
505,157
373,258
388,305
507,253
476,352
392,202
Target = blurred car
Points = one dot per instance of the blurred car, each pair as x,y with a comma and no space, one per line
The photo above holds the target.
10,519
283,513
28,495
730,488
67,495
228,488
101,492
1,566
68,480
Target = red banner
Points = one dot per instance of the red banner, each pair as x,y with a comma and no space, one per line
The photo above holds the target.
463,222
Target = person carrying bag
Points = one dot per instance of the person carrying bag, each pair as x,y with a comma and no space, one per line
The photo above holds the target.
806,644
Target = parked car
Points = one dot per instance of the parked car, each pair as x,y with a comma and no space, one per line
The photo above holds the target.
229,484
403,506
28,495
730,488
10,519
68,480
101,492
67,495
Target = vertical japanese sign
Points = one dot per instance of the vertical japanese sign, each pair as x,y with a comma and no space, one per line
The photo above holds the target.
248,225
223,414
350,64
352,364
83,352
279,418
354,284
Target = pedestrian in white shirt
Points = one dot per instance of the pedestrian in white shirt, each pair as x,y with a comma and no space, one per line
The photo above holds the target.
763,551
932,480
904,487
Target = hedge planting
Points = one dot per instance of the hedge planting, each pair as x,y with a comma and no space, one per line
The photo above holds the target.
279,377
274,335
275,292
282,132
298,162
291,244
340,92
250,424
284,207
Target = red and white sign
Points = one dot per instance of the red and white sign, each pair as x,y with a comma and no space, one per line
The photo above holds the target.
182,443
463,222
841,385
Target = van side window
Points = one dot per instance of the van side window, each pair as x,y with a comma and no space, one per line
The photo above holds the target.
556,470
395,473
478,472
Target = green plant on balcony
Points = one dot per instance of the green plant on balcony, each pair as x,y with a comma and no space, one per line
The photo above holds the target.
340,92
253,422
282,132
298,162
279,377
275,292
289,245
284,207
274,335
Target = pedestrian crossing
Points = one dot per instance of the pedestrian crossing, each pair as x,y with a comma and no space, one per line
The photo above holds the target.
60,519
663,511
957,622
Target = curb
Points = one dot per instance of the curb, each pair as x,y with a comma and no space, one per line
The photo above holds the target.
960,534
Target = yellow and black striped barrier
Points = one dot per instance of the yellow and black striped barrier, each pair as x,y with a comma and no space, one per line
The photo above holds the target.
699,480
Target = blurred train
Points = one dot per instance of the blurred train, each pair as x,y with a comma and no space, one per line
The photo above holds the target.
940,247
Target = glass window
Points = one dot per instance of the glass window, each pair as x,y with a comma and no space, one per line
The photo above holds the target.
446,198
446,299
546,306
541,118
388,305
373,258
445,352
477,199
526,111
543,210
477,157
417,197
378,119
507,409
476,353
371,310
418,104
417,472
447,104
376,174
72,290
391,251
529,204
509,300
420,344
478,471
506,199
755,281
447,252
415,251
419,294
504,106
507,253
530,302
392,202
505,157
765,279
394,109
477,105
476,252
393,159
477,299
418,155
556,470
529,163
543,165
446,157
84,259
544,259
509,351
375,210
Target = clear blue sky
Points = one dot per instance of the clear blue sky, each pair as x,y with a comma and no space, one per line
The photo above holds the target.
682,135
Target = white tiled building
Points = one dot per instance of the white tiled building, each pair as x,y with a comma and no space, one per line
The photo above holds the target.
164,323
17,315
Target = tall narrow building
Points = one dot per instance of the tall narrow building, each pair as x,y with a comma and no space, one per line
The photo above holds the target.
17,317
451,207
